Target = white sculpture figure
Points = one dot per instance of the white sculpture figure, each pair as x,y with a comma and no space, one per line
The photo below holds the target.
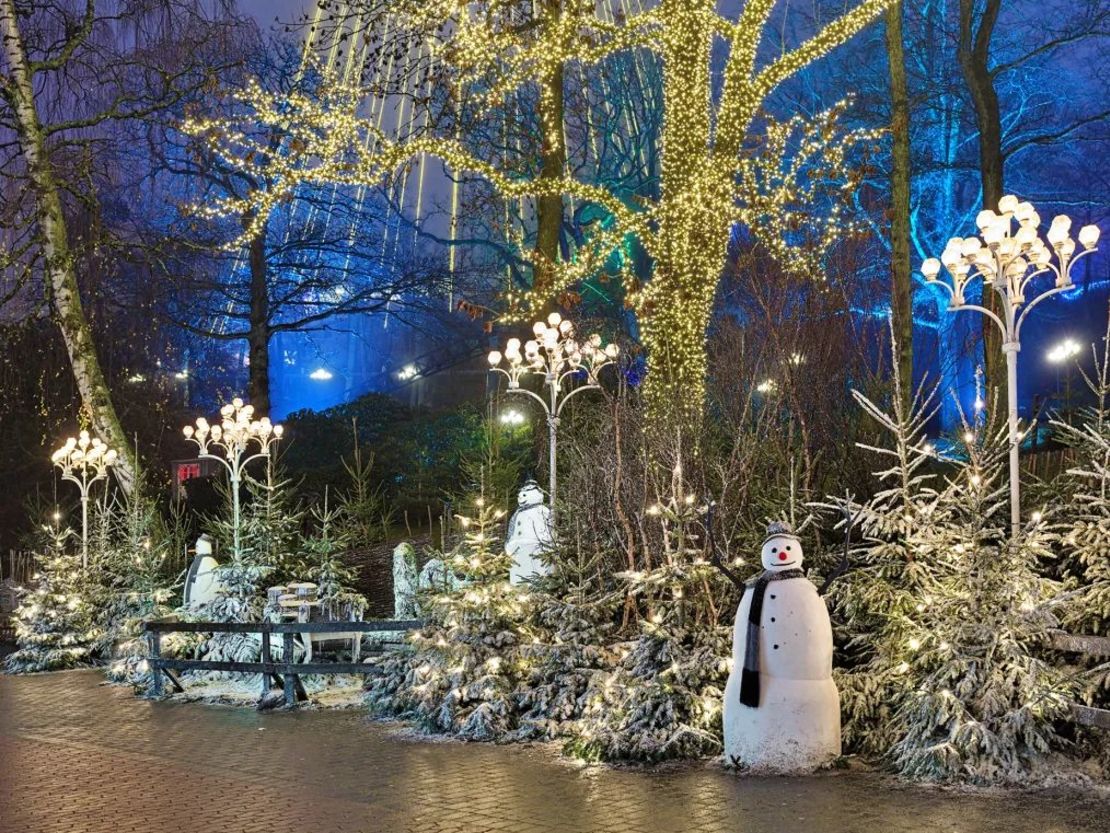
781,706
437,576
202,583
405,578
530,534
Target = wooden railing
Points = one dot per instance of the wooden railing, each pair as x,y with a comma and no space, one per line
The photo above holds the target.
287,670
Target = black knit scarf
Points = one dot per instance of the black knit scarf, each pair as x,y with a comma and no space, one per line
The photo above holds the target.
749,677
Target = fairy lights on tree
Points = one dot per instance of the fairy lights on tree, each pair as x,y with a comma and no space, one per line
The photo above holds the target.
488,55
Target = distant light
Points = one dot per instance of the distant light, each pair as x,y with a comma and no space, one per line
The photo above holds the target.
797,358
766,386
320,374
57,516
136,378
512,418
980,404
407,372
1066,349
181,374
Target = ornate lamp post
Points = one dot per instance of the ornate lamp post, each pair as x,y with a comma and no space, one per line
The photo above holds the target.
1009,256
230,444
84,461
559,357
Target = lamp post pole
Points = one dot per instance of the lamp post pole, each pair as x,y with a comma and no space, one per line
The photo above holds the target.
84,460
229,444
1007,260
558,356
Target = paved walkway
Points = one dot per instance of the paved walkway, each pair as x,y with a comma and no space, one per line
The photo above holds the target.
80,757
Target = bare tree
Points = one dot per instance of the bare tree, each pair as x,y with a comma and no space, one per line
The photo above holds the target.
72,72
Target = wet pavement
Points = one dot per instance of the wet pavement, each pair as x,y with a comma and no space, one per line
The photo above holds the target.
82,757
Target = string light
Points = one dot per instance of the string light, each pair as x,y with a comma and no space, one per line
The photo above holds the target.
712,175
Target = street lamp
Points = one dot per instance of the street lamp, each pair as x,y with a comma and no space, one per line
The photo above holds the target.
512,418
1062,354
1066,349
1007,259
84,461
558,356
229,443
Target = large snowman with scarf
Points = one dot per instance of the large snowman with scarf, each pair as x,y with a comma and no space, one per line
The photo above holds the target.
781,706
530,534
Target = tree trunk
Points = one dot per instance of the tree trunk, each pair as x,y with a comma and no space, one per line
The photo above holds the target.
974,54
553,163
58,259
901,279
675,306
258,336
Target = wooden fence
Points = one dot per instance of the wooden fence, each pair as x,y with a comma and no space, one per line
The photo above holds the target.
287,670
18,566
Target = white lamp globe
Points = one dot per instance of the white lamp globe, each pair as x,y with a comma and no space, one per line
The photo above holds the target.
994,234
538,328
930,268
494,358
554,319
1008,204
1088,236
985,219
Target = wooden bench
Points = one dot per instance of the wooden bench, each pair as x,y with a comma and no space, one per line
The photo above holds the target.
287,671
1094,646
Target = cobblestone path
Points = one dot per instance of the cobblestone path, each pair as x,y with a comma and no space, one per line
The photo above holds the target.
81,757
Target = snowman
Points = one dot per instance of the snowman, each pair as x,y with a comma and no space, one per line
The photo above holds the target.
529,535
781,706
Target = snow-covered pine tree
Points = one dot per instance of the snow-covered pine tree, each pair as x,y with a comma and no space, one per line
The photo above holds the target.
364,511
571,657
54,627
462,669
323,557
139,589
983,700
663,699
272,524
1085,510
1083,493
878,604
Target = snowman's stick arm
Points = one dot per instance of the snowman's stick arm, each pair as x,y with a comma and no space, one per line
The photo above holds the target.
845,561
715,552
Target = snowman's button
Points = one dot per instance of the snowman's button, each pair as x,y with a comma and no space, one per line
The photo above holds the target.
773,596
772,618
776,647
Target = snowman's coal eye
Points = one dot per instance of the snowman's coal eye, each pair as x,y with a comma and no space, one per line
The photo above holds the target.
788,547
774,549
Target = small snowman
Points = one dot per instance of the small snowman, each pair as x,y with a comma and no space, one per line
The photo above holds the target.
530,534
202,582
781,706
